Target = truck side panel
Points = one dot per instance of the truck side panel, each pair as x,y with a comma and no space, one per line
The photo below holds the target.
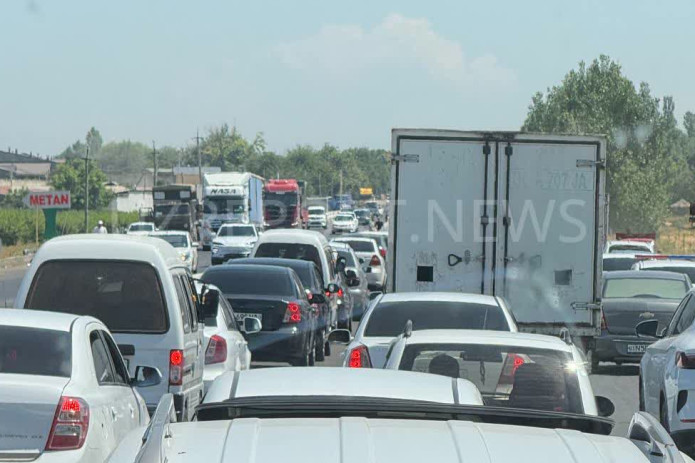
256,200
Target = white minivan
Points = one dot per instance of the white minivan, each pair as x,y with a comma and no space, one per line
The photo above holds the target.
142,291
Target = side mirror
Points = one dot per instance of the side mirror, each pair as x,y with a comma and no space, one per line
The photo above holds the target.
318,298
195,244
368,270
332,288
361,260
340,336
146,377
211,303
374,294
351,274
252,325
605,406
354,282
648,328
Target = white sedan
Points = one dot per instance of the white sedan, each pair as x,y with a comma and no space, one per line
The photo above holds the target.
65,393
387,316
141,228
181,240
345,222
667,373
226,347
518,370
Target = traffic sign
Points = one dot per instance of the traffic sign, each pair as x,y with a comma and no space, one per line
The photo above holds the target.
366,191
48,199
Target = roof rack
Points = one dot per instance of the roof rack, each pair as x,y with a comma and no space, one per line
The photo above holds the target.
153,438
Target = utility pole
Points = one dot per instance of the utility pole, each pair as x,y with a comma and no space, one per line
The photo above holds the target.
154,158
320,185
341,184
200,161
86,191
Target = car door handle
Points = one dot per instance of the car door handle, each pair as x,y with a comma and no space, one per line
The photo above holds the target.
114,414
132,411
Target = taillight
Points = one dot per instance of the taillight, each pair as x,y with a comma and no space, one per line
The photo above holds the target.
685,361
340,292
70,425
511,364
382,251
175,367
293,313
604,325
216,351
359,358
375,262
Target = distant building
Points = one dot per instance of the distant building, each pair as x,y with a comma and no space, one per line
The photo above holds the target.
185,175
24,166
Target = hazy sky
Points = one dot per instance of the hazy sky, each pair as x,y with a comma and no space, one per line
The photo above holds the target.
313,71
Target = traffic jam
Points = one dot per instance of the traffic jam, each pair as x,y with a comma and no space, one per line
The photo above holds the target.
462,314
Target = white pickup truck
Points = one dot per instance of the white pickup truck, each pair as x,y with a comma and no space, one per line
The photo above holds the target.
522,216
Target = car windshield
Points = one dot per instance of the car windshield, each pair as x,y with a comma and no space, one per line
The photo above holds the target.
126,296
34,351
224,205
657,288
237,231
289,251
507,376
283,199
245,279
389,318
177,241
361,213
628,248
316,211
612,264
360,246
343,218
682,269
141,227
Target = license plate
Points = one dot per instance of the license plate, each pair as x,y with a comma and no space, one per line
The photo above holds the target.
240,316
636,348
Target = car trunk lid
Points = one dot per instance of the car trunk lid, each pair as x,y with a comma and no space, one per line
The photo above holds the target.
269,309
623,314
27,408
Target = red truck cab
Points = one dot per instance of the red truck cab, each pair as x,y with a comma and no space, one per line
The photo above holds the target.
284,204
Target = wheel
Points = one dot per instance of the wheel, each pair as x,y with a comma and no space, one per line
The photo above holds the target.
641,393
663,414
312,352
591,361
304,360
319,347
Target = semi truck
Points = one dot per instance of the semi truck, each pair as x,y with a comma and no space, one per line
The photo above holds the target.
176,207
517,215
231,197
285,203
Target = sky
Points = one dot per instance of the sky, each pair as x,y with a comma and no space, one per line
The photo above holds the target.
313,72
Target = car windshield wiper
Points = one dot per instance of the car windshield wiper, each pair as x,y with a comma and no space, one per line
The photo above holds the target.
370,407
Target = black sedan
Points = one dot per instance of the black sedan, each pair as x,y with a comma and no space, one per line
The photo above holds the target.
311,279
630,297
276,296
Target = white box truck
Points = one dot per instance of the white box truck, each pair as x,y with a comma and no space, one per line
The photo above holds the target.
231,197
516,215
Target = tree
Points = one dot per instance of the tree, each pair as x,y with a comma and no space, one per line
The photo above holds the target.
645,147
71,176
94,141
14,199
78,149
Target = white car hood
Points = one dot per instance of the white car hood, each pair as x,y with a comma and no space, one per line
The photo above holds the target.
235,240
359,440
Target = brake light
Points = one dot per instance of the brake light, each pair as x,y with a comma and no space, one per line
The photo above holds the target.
340,292
70,425
511,364
175,367
216,351
359,358
685,361
382,251
375,262
293,313
604,325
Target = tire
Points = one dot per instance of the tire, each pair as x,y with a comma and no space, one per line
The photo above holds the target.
302,361
327,349
641,393
319,347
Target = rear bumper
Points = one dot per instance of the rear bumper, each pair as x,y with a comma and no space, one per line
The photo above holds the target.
280,345
616,347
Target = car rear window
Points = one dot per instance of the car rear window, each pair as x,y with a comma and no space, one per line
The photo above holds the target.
683,270
289,251
389,318
613,264
249,279
656,288
507,376
360,246
126,296
34,351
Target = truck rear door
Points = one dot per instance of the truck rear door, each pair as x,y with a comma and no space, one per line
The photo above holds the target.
514,215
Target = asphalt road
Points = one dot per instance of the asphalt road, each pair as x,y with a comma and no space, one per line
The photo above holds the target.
617,383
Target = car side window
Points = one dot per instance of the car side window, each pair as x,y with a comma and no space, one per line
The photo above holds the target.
319,280
183,305
119,369
228,315
686,317
191,302
100,357
331,263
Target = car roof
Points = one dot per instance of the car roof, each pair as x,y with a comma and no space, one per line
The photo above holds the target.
500,338
142,223
232,225
357,238
621,255
94,246
666,262
440,296
273,261
646,244
293,236
247,268
38,319
643,274
339,381
169,232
